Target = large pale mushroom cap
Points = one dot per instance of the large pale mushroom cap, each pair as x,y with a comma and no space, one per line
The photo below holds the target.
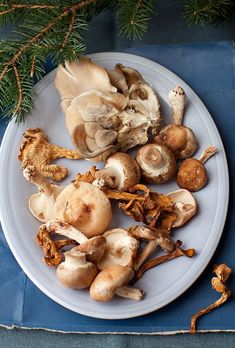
85,207
108,281
121,249
185,206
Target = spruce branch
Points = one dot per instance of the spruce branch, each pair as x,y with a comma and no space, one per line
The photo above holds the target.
207,11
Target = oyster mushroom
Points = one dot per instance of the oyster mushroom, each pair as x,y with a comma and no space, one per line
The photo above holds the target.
192,174
121,249
73,79
113,280
121,172
157,163
184,206
76,272
41,204
180,139
85,207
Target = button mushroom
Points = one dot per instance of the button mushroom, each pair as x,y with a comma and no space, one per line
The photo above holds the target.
76,272
192,174
113,280
180,139
85,207
184,206
157,163
121,249
121,172
41,204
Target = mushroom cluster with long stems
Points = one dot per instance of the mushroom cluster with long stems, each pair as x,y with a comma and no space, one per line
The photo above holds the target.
108,112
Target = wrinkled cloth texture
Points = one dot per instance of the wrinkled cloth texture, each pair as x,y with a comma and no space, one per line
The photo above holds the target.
210,70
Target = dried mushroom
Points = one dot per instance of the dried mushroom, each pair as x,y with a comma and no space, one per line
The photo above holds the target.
36,151
114,280
218,284
75,271
100,120
192,174
121,172
121,249
41,204
157,163
85,207
180,139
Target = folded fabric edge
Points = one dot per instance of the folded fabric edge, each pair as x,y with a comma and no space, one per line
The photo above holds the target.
158,333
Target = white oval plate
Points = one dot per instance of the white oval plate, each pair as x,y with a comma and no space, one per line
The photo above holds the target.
162,284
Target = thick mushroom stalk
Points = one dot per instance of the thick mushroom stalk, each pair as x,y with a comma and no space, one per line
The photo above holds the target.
192,173
157,163
41,204
114,280
184,205
76,272
180,139
121,172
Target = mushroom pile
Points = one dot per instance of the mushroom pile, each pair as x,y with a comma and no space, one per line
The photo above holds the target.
108,112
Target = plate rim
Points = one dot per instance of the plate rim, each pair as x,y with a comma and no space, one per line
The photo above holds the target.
121,56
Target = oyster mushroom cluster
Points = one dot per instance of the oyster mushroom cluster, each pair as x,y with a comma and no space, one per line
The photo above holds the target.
106,110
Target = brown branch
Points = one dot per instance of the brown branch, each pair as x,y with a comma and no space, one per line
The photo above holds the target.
32,67
49,26
73,18
20,95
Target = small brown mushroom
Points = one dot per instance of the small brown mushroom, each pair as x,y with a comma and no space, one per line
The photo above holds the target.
121,249
157,163
85,207
184,206
121,172
192,174
76,272
41,204
180,139
113,280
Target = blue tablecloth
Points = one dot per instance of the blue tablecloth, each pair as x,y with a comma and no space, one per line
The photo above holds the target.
210,70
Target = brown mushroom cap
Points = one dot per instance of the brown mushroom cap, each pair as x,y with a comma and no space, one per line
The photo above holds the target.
94,248
123,171
108,281
75,272
180,139
85,207
191,175
157,163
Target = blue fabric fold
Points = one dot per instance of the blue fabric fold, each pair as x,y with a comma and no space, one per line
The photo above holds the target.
210,70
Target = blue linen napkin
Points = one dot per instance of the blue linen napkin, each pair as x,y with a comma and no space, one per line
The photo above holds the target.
210,70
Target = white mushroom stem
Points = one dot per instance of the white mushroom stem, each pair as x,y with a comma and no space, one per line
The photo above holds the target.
209,151
65,229
32,175
177,101
131,293
145,253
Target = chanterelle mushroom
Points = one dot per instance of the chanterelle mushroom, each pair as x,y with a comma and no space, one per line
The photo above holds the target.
121,172
121,249
85,207
36,151
113,280
180,139
184,206
76,272
157,163
41,204
192,174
